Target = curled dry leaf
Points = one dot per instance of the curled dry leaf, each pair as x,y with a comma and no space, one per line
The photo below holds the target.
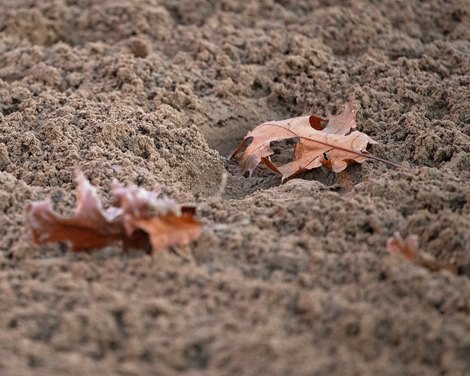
330,142
140,219
409,249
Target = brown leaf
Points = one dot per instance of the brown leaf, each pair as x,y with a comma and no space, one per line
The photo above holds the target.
409,249
140,219
320,142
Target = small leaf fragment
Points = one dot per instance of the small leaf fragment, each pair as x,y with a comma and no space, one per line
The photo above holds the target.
409,249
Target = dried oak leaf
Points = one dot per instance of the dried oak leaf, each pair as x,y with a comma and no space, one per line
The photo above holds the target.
140,219
409,250
329,142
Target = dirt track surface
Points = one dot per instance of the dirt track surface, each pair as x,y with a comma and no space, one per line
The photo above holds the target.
286,279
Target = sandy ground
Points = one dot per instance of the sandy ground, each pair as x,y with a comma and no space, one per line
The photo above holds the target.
286,279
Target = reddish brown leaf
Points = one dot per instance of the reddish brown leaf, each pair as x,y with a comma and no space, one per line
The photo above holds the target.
140,219
320,142
409,249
